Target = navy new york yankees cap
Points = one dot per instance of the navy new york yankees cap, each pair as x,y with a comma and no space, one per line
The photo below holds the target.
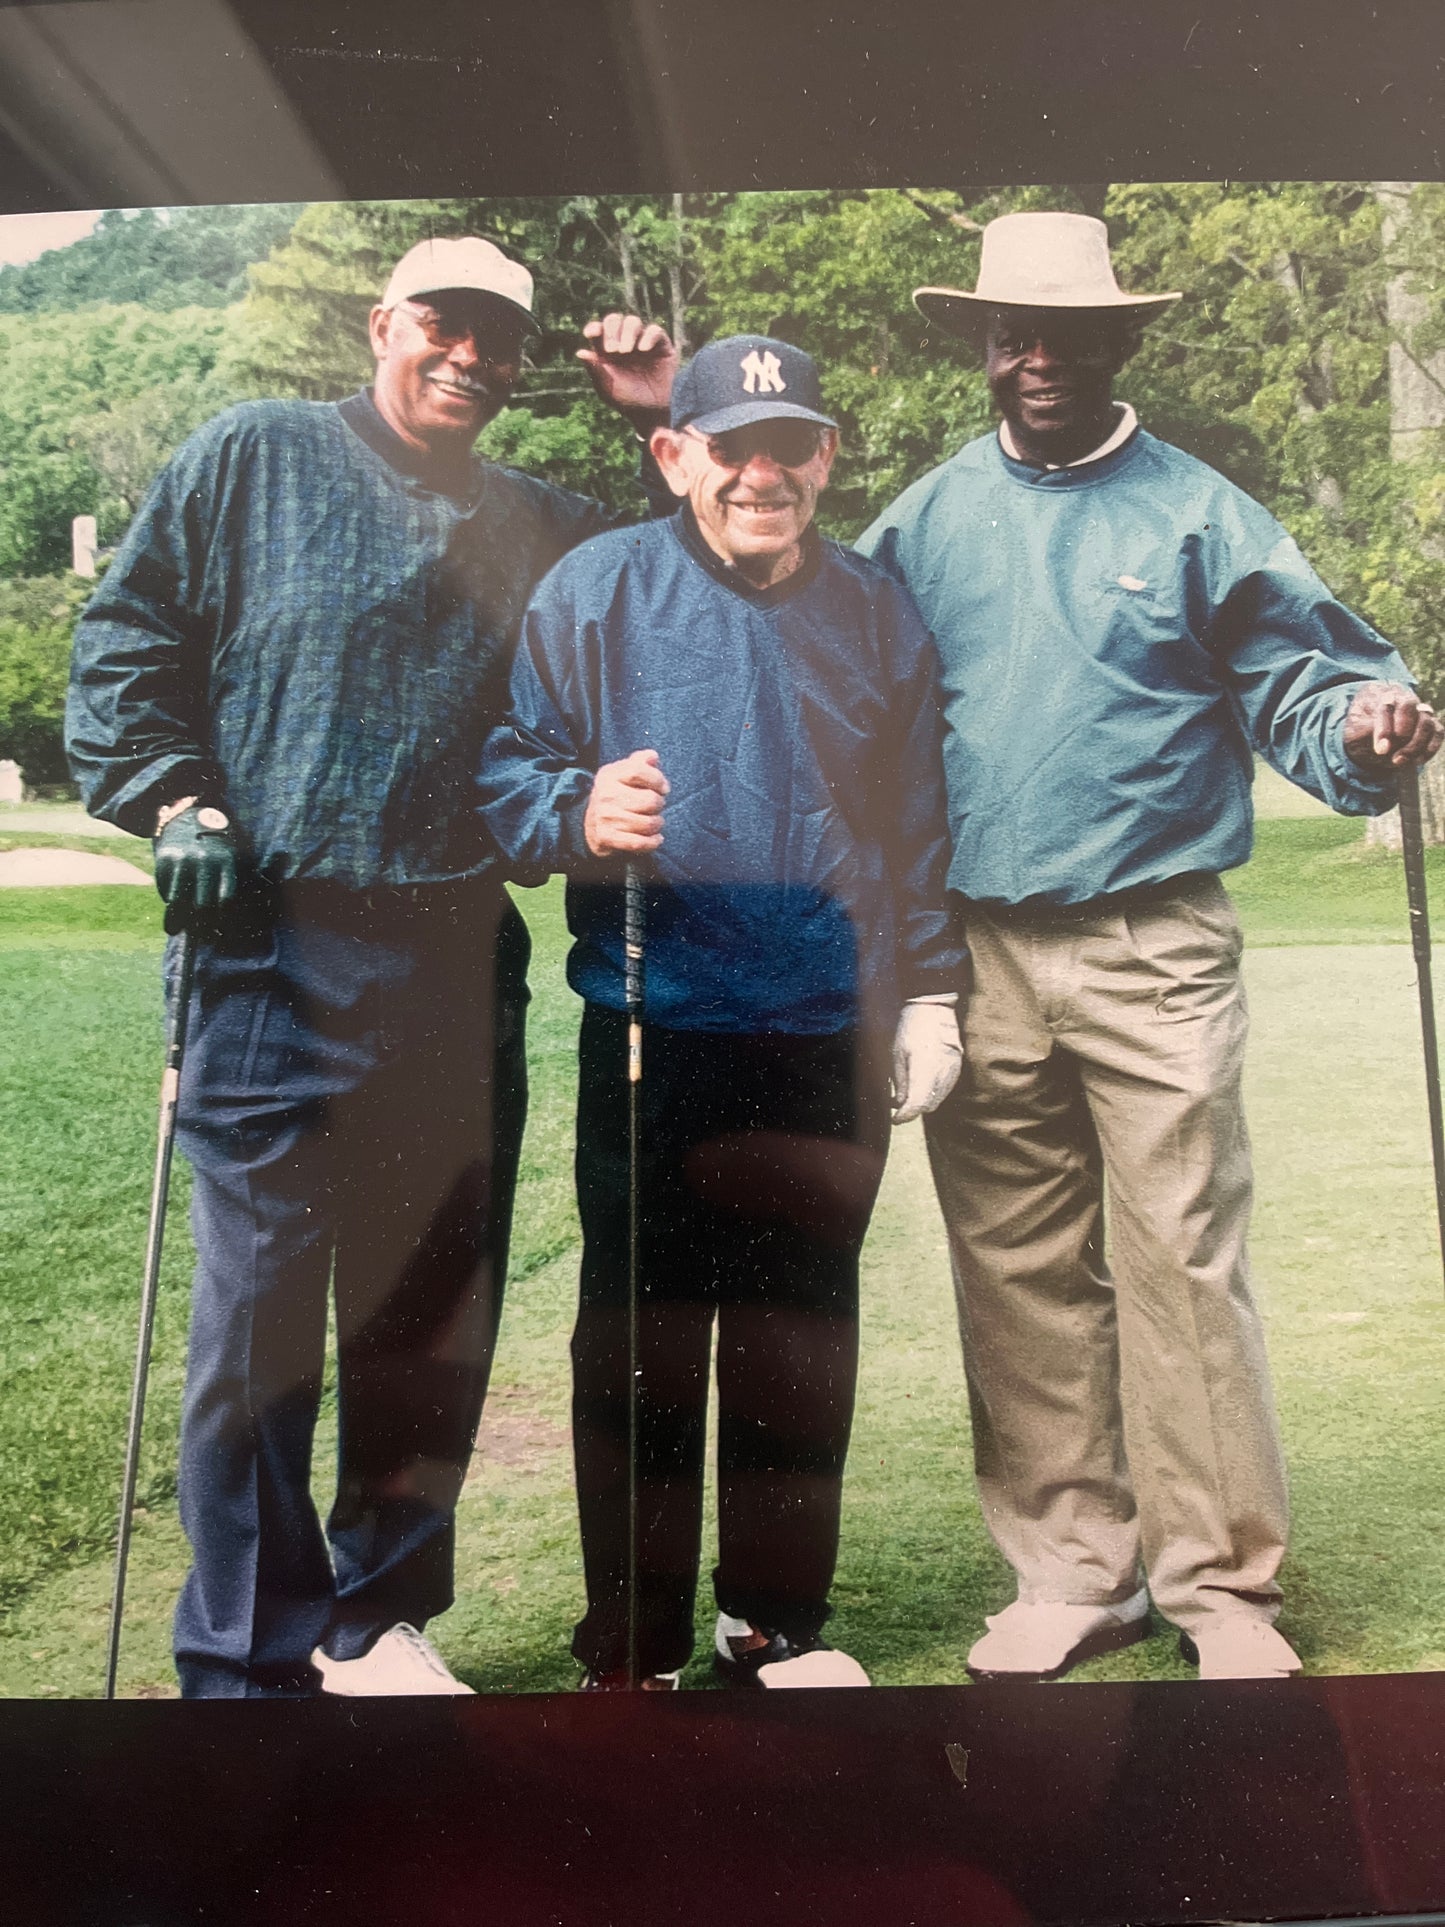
747,378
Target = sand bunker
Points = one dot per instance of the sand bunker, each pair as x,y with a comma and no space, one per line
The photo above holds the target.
32,869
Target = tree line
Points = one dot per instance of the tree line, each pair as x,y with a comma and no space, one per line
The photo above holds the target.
1306,361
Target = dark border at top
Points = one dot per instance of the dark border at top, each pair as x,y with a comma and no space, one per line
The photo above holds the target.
380,99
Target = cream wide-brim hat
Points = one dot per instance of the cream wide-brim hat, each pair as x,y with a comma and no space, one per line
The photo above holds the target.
1038,261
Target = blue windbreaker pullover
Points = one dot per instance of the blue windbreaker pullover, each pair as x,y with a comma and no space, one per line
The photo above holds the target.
801,883
313,622
1116,638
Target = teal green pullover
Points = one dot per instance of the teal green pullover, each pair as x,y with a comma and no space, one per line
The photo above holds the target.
1116,639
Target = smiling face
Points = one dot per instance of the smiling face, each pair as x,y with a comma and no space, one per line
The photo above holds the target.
445,365
753,502
1051,372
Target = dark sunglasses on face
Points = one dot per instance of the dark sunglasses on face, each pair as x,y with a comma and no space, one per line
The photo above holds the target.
445,325
1091,346
790,444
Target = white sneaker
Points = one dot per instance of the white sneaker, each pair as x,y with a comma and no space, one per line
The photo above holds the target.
401,1665
1042,1639
1238,1646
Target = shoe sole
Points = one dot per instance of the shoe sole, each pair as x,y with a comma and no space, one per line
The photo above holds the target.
1190,1652
1108,1639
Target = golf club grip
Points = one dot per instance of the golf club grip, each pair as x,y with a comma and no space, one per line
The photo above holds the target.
177,1011
634,967
1412,843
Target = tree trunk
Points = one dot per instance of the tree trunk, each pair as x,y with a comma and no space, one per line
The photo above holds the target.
1417,415
629,279
1325,490
675,279
1417,384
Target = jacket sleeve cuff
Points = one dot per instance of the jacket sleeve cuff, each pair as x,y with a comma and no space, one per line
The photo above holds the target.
138,805
572,851
937,985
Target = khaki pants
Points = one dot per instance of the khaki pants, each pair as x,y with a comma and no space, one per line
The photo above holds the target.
1119,1413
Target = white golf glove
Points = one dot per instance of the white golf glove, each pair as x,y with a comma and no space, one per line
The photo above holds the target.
927,1057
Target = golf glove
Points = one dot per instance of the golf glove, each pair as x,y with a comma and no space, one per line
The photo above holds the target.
195,861
927,1058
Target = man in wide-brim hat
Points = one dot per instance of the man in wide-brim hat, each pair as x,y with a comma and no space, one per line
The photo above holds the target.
1120,629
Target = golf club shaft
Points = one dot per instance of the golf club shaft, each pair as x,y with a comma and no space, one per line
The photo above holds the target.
634,942
1412,844
160,1186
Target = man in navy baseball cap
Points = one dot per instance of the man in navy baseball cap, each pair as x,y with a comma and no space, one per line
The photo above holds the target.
751,713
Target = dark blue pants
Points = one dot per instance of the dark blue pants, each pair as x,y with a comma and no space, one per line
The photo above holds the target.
352,1108
761,1159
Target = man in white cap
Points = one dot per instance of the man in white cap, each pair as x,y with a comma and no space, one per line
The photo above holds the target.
1120,629
285,679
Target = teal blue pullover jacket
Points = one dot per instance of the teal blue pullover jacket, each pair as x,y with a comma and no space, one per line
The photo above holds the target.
1116,639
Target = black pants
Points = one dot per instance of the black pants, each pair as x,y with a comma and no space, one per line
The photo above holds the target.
761,1159
352,1108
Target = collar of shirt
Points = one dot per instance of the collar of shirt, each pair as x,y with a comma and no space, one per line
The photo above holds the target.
693,540
454,475
1128,421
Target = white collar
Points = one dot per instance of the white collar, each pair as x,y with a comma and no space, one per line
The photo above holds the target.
1128,422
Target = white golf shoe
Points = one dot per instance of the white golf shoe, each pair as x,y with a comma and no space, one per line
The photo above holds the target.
1238,1646
749,1655
400,1665
1042,1639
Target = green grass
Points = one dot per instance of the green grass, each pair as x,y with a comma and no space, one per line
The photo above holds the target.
1315,881
1344,1251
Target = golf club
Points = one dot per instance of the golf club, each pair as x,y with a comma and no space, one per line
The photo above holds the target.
170,1089
634,935
1412,844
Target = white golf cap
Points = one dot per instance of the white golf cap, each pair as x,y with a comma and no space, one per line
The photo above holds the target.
466,262
1038,261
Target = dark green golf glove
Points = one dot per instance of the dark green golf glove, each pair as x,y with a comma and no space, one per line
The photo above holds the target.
195,864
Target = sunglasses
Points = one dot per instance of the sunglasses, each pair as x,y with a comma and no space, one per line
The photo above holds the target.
1091,346
446,324
790,444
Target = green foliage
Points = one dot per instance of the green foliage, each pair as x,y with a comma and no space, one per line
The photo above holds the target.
834,272
90,411
1273,366
36,618
185,257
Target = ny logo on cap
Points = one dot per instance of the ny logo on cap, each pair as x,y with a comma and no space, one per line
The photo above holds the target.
764,373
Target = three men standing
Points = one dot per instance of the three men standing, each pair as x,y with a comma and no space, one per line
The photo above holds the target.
286,677
1120,630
